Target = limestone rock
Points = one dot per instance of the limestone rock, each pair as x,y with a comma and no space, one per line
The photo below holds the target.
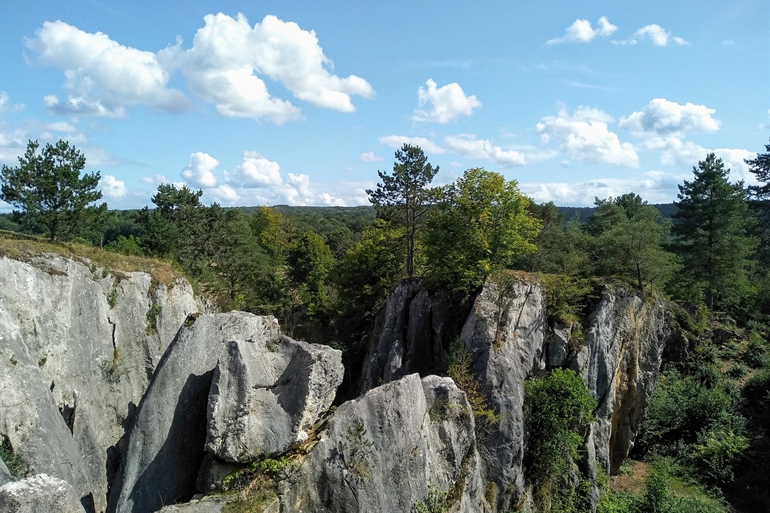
505,332
386,450
76,353
625,340
205,505
165,444
38,494
266,394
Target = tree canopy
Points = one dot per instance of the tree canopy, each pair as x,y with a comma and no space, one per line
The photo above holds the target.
48,189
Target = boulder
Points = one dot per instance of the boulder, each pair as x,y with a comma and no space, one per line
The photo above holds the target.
389,449
266,394
38,494
165,444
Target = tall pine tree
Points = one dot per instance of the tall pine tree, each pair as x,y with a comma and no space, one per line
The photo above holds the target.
712,233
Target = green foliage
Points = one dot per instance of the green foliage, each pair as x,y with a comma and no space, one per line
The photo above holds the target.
756,352
404,197
357,451
48,189
112,298
562,248
130,246
480,225
435,503
738,370
459,362
629,237
556,408
152,318
15,464
310,263
696,418
566,297
712,234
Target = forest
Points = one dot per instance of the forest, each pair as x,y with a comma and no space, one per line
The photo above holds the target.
326,272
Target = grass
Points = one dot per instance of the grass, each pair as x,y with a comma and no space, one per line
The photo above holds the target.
25,247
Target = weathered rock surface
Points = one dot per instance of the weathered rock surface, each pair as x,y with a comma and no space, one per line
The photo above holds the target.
266,394
625,341
416,327
72,366
38,494
229,383
205,505
510,339
387,449
506,333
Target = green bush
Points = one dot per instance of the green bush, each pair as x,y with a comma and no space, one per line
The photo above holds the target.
738,370
15,464
756,352
556,408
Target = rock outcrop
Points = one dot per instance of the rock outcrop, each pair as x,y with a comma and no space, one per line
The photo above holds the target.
5,474
387,450
229,383
78,344
38,494
510,338
415,328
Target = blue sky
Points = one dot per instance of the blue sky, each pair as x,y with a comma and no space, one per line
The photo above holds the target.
302,102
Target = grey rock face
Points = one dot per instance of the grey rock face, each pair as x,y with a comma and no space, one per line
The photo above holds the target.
266,394
625,343
387,449
73,365
38,494
205,505
165,444
506,334
416,329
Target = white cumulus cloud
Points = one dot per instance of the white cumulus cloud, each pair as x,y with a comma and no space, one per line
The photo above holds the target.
227,54
155,180
445,103
661,117
6,106
111,187
469,146
397,141
581,31
102,76
655,33
199,170
255,171
585,136
369,156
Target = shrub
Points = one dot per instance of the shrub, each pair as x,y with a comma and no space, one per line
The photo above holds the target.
15,464
459,363
738,370
756,352
556,408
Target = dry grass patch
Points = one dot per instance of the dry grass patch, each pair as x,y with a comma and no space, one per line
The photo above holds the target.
27,248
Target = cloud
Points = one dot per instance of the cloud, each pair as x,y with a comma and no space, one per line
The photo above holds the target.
6,107
661,117
199,170
686,154
446,103
653,186
369,156
581,31
397,141
155,180
469,146
585,136
255,171
227,52
654,33
111,187
102,76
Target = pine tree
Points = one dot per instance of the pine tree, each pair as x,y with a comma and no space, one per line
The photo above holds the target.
404,197
712,233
